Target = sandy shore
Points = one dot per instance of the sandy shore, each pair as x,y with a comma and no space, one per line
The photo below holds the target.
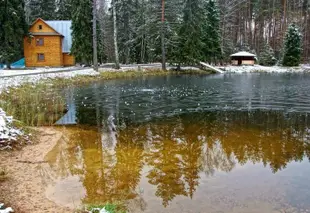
24,190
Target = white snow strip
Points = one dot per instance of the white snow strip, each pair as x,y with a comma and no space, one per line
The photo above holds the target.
258,68
33,71
19,80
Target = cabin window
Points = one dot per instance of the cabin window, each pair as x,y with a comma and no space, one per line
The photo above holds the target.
40,27
40,41
41,57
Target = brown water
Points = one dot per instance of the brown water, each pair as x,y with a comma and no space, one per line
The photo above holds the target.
201,162
229,143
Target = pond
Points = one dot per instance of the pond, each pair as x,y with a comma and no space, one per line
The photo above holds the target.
220,143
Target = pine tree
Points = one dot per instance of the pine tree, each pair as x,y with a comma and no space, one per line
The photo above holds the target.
292,46
190,41
125,11
44,9
12,30
64,10
82,30
211,33
267,57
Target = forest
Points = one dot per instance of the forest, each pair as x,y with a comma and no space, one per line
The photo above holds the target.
176,31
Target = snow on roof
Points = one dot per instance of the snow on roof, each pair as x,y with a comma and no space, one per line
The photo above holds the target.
243,53
64,28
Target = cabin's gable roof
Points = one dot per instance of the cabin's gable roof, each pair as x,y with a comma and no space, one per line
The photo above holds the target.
46,28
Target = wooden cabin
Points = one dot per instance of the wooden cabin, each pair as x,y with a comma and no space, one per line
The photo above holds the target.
243,58
49,44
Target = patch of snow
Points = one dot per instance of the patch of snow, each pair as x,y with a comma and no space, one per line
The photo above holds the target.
259,68
8,133
103,210
7,210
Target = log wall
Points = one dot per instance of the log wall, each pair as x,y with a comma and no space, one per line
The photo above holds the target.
52,50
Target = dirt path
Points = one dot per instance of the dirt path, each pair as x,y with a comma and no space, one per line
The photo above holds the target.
25,187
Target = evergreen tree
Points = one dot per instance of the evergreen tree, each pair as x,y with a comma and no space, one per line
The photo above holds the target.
82,30
292,46
190,41
12,30
267,57
211,33
152,28
64,10
44,9
125,10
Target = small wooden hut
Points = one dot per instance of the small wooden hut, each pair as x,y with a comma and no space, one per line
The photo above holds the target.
243,58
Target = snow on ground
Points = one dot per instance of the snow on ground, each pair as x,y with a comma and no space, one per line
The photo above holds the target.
258,68
15,72
6,210
14,81
8,133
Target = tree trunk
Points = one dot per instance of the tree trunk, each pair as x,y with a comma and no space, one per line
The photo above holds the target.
117,66
163,50
95,54
8,65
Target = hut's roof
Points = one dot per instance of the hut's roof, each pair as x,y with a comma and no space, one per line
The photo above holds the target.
243,53
63,28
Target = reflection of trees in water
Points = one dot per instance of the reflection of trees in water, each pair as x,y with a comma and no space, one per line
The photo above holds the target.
164,158
215,159
179,150
269,137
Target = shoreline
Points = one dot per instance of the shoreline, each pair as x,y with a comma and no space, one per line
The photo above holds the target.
24,189
78,75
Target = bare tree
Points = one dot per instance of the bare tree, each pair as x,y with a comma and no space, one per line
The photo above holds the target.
95,55
117,66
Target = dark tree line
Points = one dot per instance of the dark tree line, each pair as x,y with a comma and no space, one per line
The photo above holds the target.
190,30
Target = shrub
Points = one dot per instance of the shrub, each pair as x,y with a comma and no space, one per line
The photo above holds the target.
267,57
292,47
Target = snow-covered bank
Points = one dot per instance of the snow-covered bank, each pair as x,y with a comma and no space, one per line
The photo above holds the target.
8,133
258,68
18,80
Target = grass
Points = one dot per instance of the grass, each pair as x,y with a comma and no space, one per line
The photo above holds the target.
109,207
33,105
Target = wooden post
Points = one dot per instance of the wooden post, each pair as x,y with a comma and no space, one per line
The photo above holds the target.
163,50
95,53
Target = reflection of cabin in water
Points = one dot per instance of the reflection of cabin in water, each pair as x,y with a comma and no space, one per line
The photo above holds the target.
243,58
